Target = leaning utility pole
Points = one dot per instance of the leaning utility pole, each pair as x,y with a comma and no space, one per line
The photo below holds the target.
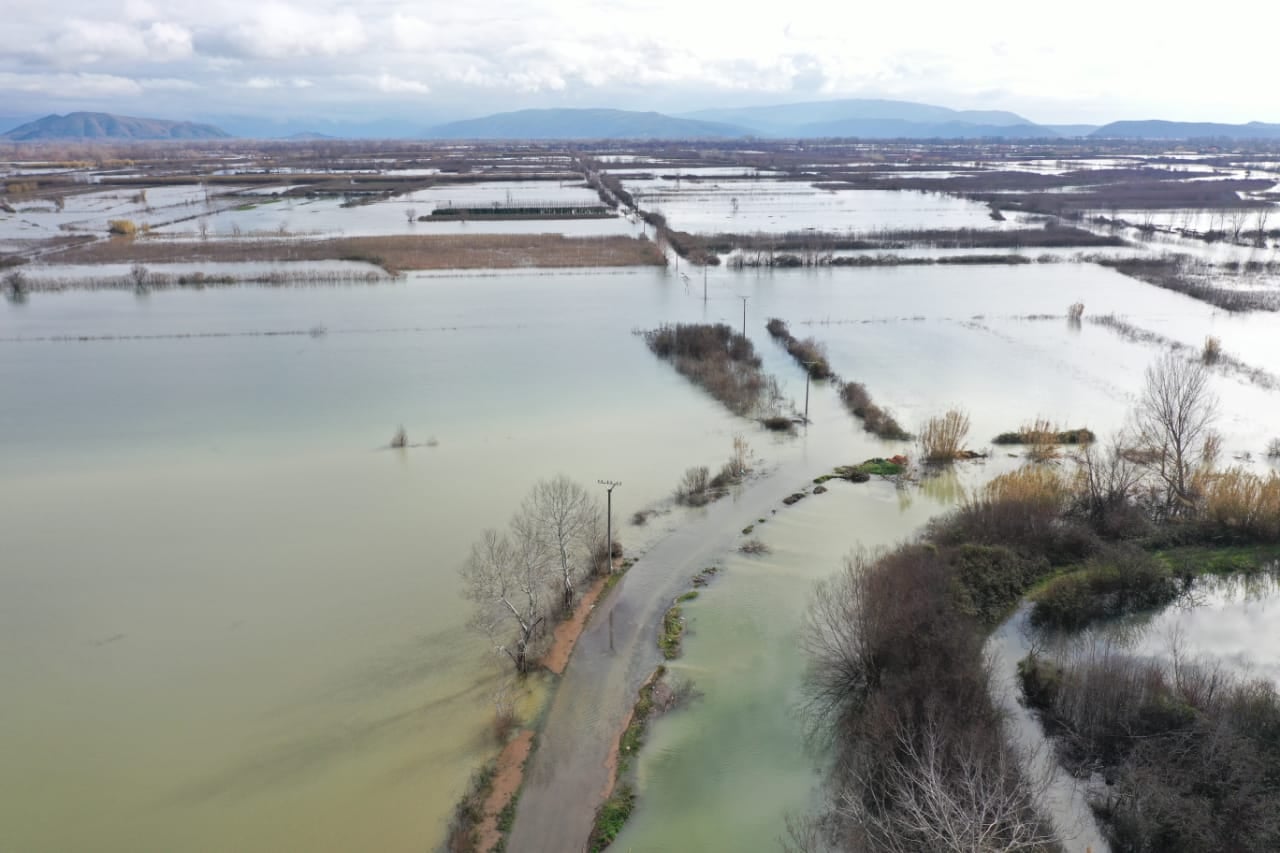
608,544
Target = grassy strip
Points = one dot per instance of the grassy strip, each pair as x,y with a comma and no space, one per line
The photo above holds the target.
672,632
469,811
612,817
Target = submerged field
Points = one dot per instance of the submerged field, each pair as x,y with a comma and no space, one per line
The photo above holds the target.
234,613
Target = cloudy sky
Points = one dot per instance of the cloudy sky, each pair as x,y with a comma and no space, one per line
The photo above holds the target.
1085,61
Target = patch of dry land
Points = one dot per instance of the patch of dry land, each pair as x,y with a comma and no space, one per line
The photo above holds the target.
395,253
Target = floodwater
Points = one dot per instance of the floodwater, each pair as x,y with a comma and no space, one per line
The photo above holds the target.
232,621
769,206
1233,621
724,773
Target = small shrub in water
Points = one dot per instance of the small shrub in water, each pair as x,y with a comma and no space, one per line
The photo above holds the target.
1212,350
400,439
942,437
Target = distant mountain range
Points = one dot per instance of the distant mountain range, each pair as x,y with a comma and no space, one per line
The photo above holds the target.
1186,130
106,126
856,118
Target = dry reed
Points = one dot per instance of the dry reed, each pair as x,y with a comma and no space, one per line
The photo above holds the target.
942,437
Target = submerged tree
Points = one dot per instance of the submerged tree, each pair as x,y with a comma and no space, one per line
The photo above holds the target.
566,519
519,578
508,578
1175,416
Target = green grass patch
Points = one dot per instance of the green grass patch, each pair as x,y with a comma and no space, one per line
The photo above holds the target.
507,817
672,632
1207,560
633,736
612,580
883,467
612,817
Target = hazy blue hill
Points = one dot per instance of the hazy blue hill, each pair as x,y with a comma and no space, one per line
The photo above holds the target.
899,129
1072,130
1186,130
816,117
583,124
105,126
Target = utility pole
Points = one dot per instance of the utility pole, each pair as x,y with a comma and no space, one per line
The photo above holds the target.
744,314
807,375
608,544
704,281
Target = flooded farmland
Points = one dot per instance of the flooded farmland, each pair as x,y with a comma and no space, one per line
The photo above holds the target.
232,614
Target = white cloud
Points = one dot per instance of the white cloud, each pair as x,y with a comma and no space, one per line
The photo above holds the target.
392,84
484,55
168,41
278,83
69,86
167,84
277,31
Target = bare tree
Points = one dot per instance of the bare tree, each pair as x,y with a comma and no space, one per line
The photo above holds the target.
411,214
836,639
937,795
508,576
1106,479
1174,419
566,519
139,274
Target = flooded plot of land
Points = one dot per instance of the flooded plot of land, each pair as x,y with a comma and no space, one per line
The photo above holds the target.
782,206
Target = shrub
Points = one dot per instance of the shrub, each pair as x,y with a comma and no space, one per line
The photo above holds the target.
122,227
942,437
1126,580
400,439
753,546
1188,751
1212,351
991,579
1075,311
875,420
692,490
777,423
15,283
